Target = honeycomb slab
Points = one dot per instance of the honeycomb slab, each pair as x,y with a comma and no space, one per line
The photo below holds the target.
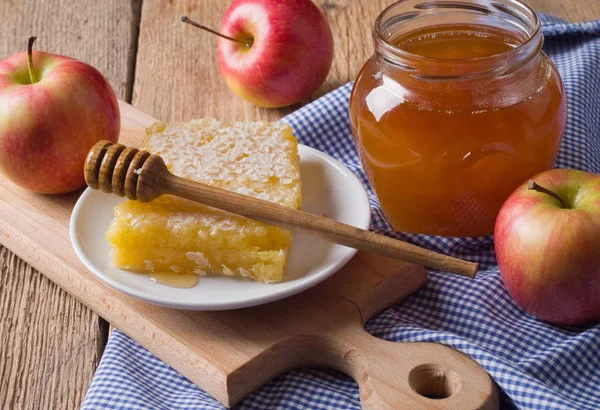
175,236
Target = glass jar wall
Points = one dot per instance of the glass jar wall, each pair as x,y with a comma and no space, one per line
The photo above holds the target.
456,108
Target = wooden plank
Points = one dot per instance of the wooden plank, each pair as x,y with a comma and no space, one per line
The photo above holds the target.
177,73
570,10
177,76
50,344
102,34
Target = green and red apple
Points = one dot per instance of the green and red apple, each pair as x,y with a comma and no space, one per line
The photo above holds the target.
274,53
53,109
547,240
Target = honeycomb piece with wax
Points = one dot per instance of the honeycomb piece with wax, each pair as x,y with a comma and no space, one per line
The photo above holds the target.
174,236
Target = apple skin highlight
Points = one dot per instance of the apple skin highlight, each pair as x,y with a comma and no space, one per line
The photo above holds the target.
47,128
290,55
549,257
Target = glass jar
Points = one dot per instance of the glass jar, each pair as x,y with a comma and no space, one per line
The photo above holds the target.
456,108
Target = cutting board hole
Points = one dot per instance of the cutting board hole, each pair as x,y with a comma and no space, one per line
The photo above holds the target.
434,381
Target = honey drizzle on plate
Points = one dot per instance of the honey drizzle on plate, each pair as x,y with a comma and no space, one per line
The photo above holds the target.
174,279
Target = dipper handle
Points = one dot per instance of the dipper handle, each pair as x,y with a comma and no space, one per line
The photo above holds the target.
141,176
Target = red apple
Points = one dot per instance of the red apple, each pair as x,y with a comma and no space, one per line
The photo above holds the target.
48,123
285,52
547,240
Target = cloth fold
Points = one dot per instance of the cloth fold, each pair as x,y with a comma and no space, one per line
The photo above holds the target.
535,364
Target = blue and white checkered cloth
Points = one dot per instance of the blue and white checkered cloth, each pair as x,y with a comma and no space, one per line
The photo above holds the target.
536,365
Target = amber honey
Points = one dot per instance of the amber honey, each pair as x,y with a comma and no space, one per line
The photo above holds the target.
445,141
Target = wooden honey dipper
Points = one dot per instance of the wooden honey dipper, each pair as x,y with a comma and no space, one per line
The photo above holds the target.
139,175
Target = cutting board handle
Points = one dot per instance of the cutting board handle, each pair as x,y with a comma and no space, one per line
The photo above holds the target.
324,327
390,375
417,376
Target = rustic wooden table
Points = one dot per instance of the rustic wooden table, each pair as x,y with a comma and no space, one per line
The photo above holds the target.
51,344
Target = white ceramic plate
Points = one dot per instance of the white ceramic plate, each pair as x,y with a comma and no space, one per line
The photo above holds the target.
328,188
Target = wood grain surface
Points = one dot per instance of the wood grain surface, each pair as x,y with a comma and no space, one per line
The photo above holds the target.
570,10
50,344
176,77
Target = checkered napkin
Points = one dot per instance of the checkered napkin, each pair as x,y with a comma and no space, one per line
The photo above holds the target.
536,365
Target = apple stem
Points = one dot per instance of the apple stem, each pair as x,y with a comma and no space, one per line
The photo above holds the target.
30,42
534,186
185,19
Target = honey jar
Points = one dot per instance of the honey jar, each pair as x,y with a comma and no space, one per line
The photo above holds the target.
458,106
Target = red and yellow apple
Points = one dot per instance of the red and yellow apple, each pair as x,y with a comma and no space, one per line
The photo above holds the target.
547,240
50,118
283,53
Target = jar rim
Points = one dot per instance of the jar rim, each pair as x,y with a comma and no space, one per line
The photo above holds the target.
532,43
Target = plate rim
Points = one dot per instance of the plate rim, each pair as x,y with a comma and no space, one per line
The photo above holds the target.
303,285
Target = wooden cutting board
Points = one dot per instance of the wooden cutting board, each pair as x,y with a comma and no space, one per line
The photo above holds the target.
232,353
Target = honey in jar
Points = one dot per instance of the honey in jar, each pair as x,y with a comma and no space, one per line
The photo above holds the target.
457,108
